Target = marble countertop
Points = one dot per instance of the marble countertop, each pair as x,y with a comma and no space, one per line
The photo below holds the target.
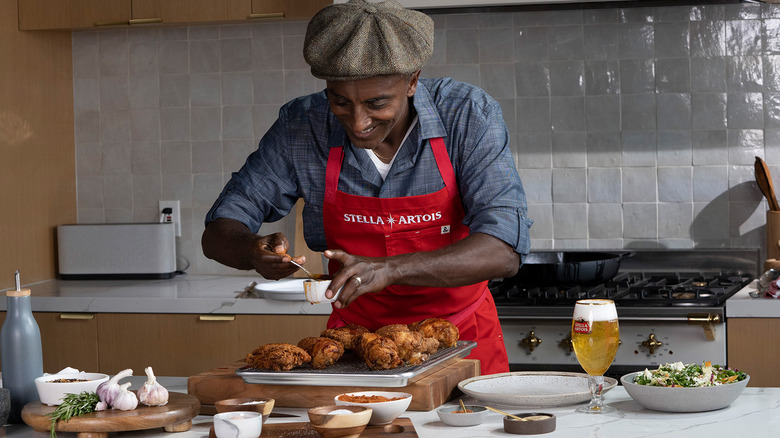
756,413
203,294
194,294
742,305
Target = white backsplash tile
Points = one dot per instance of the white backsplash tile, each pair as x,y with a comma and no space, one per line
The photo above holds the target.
630,127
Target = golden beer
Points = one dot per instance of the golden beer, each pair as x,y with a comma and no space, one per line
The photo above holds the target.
595,337
596,350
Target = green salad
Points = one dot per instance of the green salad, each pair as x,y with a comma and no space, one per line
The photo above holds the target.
692,375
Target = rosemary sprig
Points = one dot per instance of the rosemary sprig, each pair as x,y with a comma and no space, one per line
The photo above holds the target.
72,406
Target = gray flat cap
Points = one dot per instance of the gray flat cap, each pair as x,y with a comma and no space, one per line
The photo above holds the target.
361,39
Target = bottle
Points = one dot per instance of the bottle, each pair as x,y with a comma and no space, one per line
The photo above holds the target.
21,357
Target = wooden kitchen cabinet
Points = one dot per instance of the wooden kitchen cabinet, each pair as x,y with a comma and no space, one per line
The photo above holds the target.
67,340
84,14
299,9
753,348
71,14
187,344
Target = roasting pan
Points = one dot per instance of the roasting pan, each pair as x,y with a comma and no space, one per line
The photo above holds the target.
351,371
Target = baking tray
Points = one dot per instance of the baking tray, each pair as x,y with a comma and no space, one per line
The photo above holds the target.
352,371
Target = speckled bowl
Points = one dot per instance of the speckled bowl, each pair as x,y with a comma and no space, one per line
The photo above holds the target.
660,398
450,417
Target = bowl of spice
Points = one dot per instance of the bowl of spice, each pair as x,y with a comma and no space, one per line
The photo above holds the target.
465,415
252,404
387,406
52,388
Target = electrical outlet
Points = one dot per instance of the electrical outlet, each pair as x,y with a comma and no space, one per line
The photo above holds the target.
175,215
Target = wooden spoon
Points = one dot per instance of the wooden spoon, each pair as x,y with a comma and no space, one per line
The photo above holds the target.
504,413
764,181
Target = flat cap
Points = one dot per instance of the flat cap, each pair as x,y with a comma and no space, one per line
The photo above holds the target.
361,39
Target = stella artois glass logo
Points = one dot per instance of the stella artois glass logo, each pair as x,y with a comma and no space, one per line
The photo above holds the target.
581,326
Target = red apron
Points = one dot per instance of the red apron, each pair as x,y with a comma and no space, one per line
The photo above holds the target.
380,227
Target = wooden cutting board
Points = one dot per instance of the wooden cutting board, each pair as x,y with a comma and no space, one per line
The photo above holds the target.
428,392
400,428
176,416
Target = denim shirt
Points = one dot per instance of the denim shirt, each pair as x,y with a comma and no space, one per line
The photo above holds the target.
290,162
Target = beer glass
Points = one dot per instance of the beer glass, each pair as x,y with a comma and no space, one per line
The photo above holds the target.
594,334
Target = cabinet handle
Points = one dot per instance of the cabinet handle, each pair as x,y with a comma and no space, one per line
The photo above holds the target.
144,20
217,317
268,15
129,22
111,23
80,316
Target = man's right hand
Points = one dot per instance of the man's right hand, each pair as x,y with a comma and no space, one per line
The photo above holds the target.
270,258
231,243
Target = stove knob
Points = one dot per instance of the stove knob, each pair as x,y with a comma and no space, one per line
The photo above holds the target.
567,344
530,342
652,343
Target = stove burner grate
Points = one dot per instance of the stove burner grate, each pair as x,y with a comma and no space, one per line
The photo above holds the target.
630,289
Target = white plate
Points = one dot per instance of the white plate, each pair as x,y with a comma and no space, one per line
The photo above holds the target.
532,388
286,290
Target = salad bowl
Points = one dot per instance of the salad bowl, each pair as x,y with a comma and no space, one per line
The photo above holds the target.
682,398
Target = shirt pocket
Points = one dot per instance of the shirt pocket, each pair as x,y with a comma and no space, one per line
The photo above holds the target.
425,239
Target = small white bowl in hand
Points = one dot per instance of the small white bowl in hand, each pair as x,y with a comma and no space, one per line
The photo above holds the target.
51,392
315,291
238,424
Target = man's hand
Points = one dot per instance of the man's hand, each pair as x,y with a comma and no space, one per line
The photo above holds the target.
357,276
231,243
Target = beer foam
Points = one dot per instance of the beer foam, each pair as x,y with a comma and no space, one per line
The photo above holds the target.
595,310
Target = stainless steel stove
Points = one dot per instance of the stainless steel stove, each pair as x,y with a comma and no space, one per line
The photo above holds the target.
671,307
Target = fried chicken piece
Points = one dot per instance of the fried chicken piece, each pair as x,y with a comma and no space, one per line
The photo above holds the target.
323,351
347,334
413,348
378,352
440,329
277,357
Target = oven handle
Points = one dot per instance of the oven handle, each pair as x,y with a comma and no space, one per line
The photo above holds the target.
694,318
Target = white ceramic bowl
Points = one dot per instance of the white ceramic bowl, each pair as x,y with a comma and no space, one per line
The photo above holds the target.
238,424
448,415
660,398
384,412
52,393
314,290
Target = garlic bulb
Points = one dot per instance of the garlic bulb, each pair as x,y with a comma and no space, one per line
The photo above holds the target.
107,391
101,406
152,393
125,400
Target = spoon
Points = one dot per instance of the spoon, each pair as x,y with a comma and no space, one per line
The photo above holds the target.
306,271
504,413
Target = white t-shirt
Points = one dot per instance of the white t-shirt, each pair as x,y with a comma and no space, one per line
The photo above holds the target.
384,168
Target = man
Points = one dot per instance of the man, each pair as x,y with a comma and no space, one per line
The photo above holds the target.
409,184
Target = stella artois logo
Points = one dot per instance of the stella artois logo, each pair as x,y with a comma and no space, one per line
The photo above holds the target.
581,326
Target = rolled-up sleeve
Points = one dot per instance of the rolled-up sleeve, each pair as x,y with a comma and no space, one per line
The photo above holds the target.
492,193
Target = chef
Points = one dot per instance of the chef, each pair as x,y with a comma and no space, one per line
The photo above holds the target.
409,184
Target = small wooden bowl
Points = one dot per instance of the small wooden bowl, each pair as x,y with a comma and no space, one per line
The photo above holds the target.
339,425
253,404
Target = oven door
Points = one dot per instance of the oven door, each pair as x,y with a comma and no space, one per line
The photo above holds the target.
535,343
